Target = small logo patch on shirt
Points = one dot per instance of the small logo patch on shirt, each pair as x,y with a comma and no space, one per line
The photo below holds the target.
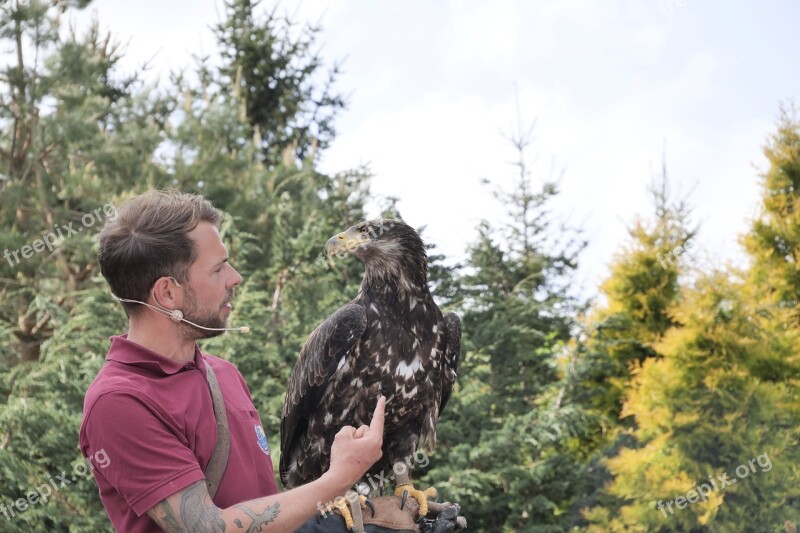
262,440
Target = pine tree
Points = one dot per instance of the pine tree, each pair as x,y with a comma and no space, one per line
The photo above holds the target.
76,135
621,333
637,296
701,410
289,100
499,439
774,237
721,400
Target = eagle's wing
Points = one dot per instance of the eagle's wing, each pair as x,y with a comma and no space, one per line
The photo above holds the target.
452,326
333,339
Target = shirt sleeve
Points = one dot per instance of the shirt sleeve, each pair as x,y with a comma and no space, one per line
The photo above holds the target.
147,461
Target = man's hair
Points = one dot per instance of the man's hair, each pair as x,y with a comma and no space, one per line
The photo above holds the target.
148,239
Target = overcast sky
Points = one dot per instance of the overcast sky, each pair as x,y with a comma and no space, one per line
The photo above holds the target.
611,84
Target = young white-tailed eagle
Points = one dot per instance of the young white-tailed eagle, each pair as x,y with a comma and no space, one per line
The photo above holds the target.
391,340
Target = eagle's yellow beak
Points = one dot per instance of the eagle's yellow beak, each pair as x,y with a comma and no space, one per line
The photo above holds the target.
345,243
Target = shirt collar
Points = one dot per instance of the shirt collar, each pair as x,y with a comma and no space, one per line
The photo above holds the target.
130,353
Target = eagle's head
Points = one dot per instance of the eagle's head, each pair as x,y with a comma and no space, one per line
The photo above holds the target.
387,247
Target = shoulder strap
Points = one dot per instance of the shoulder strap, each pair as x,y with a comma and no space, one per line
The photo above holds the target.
219,459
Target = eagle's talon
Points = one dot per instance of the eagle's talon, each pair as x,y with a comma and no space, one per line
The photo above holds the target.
421,496
371,507
341,504
404,499
344,506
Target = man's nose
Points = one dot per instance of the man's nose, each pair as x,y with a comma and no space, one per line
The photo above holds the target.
237,277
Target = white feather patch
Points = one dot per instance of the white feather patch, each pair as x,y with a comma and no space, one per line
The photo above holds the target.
407,371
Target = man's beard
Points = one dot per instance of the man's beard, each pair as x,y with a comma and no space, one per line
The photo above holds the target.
208,318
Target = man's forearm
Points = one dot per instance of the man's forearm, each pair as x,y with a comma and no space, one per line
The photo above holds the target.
192,509
352,452
286,511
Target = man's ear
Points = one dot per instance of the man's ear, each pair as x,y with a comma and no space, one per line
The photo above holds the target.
168,293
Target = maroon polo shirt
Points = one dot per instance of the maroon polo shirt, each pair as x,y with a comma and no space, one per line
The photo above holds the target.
154,420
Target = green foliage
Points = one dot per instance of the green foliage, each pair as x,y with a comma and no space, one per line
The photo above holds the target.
74,138
41,417
701,411
774,237
621,334
504,441
639,293
719,391
289,102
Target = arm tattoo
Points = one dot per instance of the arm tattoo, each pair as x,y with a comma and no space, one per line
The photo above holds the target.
198,511
260,519
199,514
168,522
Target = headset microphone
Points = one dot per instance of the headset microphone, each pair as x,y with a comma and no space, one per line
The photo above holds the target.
176,315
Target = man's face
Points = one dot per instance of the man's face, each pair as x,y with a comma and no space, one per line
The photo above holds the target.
211,284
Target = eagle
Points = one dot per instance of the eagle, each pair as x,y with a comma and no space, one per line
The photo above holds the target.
391,340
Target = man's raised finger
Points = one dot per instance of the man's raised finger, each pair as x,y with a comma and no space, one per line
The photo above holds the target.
377,417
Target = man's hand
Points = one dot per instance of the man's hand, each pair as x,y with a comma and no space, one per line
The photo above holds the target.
446,521
355,450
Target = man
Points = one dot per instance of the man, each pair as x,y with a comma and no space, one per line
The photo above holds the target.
149,408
